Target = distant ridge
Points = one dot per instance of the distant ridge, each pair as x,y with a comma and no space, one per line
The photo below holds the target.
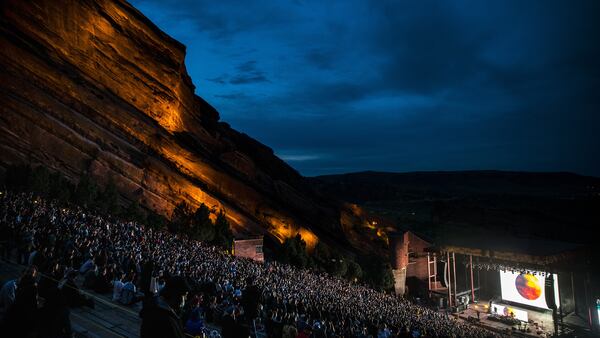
539,204
458,182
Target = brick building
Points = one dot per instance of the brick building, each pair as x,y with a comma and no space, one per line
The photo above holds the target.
409,260
250,248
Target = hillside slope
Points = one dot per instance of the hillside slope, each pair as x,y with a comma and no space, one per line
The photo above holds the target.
94,86
560,206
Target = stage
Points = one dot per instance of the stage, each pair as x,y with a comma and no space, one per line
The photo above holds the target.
527,279
539,325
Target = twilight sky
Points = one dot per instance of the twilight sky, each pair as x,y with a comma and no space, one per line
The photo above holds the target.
343,86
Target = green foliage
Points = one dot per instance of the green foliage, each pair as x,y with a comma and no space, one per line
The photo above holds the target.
180,219
223,236
17,177
60,188
377,272
156,221
327,259
108,199
293,251
385,279
39,181
354,271
134,212
86,191
202,228
338,266
198,225
321,254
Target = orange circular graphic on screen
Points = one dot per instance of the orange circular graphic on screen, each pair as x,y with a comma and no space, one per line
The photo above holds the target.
528,286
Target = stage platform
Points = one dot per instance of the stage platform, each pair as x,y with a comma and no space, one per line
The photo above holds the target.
540,326
540,323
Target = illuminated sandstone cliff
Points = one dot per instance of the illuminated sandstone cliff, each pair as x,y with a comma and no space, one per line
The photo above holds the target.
95,86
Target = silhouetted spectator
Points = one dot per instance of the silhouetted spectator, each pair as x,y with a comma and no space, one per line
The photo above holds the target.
250,299
71,293
22,317
7,296
160,315
54,316
195,325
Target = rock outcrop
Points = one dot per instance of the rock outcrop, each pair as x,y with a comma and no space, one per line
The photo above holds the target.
94,86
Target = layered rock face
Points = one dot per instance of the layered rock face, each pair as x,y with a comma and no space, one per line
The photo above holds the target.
95,86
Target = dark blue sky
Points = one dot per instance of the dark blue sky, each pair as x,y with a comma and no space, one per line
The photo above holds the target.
347,86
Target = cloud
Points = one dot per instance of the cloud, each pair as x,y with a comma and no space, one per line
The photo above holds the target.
235,96
320,59
246,67
222,20
248,78
299,158
222,79
248,73
401,86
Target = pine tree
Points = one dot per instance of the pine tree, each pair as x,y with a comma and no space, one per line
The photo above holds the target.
224,236
39,181
86,191
202,227
180,219
108,200
134,212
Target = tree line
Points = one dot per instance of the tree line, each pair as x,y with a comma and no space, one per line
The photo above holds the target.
107,201
196,224
370,269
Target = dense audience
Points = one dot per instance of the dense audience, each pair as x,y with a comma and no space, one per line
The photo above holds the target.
134,264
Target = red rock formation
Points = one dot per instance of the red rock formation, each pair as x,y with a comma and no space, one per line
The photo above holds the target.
95,86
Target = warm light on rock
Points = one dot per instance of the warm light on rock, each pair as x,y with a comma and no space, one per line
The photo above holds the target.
100,89
309,237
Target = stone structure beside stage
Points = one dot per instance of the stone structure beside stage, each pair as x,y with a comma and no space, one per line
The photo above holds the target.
408,260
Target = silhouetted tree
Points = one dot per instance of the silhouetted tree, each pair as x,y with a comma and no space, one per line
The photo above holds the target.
293,251
108,199
17,177
202,228
224,236
321,255
60,188
134,212
354,271
338,266
180,219
39,181
377,272
86,191
156,221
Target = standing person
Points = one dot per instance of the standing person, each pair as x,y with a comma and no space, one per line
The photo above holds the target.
7,296
160,315
22,317
54,315
250,299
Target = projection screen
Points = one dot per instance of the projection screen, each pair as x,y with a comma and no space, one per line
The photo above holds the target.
526,289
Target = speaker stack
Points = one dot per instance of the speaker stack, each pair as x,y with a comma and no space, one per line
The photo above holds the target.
549,291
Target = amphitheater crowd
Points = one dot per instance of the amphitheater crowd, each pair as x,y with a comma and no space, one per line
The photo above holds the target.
134,263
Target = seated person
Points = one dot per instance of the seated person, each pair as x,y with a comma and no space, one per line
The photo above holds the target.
195,325
129,294
118,287
71,293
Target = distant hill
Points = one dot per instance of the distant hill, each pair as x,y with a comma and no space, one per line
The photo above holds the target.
561,205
